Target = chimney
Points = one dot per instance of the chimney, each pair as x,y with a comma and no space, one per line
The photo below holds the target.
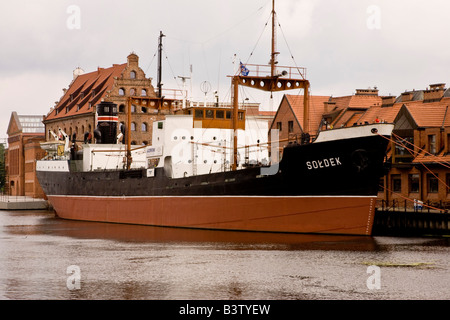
388,101
367,92
407,96
132,59
434,93
328,106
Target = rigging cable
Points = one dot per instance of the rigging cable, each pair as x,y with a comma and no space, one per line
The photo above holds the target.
412,153
290,52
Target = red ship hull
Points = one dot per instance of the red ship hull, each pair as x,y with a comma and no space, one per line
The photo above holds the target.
348,215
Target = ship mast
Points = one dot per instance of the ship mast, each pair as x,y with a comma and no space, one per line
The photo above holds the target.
140,100
286,80
273,61
160,47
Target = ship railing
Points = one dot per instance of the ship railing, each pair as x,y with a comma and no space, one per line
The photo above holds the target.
406,205
6,196
263,70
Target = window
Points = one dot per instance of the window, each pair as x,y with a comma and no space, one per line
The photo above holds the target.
279,127
433,183
220,114
228,114
121,92
160,125
396,183
400,149
240,116
290,126
432,143
122,108
133,126
381,185
144,92
132,92
144,127
209,114
198,113
414,183
133,108
133,75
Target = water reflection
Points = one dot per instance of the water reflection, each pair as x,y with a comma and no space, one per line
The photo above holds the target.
233,240
144,262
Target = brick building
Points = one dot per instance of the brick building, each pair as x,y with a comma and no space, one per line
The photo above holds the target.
25,132
324,111
419,155
75,112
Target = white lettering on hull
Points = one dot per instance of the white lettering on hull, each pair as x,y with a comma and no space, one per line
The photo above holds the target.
323,163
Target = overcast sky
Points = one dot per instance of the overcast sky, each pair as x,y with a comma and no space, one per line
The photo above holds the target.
395,45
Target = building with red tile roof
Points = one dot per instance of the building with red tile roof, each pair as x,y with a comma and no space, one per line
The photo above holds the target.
419,153
75,112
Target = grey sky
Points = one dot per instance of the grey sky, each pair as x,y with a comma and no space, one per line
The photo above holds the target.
396,45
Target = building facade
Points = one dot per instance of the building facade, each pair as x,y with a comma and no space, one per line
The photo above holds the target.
419,153
25,132
75,112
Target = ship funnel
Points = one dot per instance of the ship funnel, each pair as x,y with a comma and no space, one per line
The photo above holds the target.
107,121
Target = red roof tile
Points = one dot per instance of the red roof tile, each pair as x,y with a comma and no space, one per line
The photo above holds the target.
433,114
85,91
316,109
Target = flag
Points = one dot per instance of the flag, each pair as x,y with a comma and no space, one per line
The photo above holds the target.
244,70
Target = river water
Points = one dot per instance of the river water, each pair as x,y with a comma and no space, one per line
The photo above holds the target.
43,257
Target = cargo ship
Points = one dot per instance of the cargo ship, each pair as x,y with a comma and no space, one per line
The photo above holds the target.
195,177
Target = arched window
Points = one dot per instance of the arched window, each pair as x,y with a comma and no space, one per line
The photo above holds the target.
133,75
133,126
144,127
121,92
132,92
133,108
144,92
122,108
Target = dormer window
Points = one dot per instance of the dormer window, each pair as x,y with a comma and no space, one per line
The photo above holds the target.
133,75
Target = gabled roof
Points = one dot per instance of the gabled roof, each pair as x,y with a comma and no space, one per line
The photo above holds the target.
26,124
316,109
426,115
353,108
85,91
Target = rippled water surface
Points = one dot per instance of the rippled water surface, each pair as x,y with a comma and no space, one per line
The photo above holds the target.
38,254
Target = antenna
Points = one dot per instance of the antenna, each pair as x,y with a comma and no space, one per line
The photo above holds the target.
161,35
205,87
183,79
